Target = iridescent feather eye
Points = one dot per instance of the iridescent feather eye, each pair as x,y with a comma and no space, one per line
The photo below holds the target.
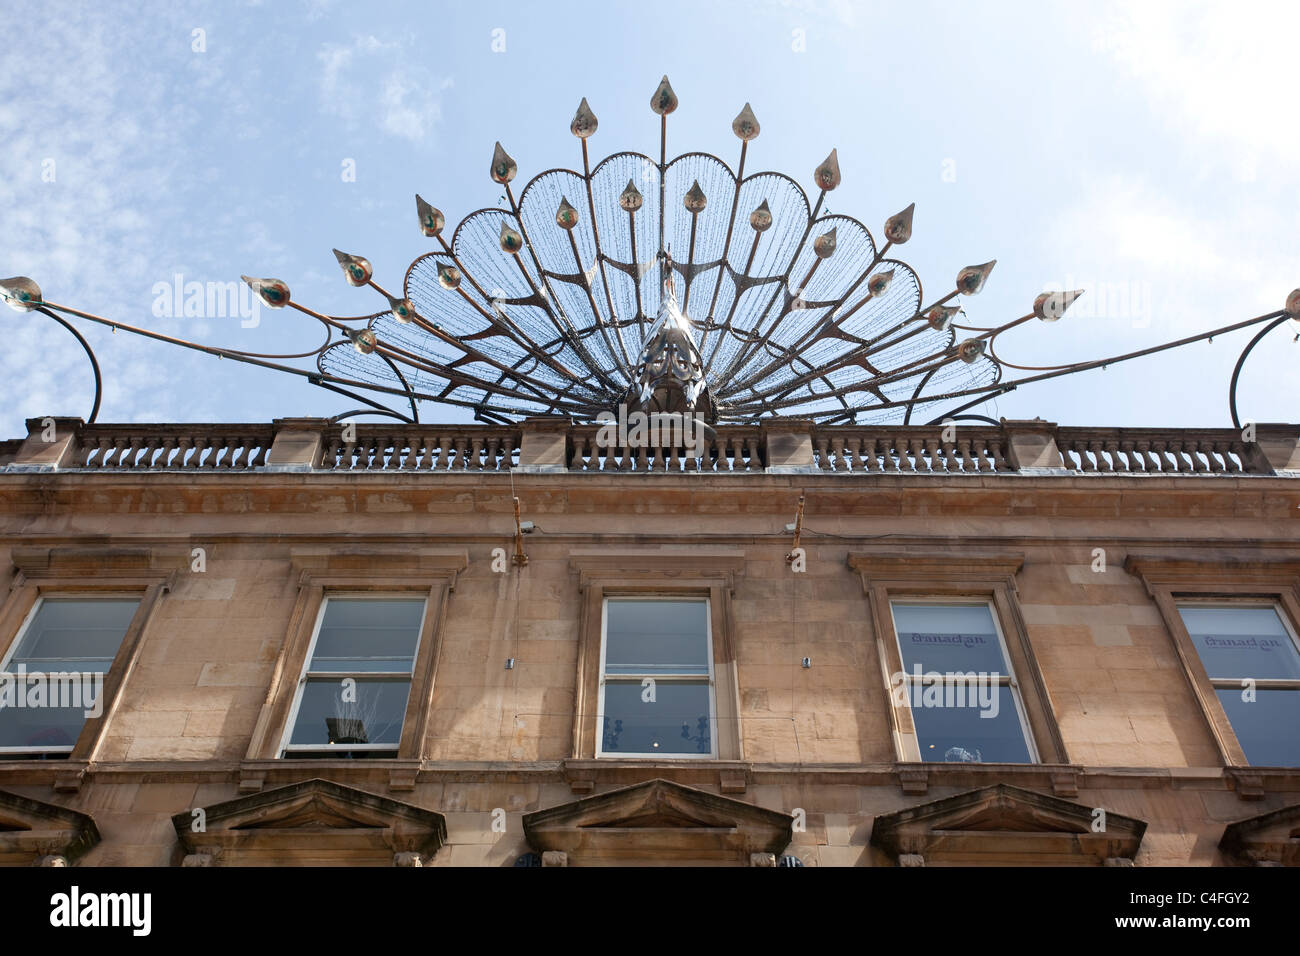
879,282
21,293
503,167
448,276
365,341
898,227
745,125
971,279
1293,304
584,121
664,100
355,269
630,199
760,220
431,219
510,240
273,292
824,245
402,309
827,175
941,316
694,199
1050,306
971,350
566,217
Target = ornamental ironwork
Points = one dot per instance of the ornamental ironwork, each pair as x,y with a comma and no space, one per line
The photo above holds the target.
662,285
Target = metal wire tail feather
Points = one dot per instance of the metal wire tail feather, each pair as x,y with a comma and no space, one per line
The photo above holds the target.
568,302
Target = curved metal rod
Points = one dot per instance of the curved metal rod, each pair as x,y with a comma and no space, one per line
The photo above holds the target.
378,409
410,396
907,418
1232,386
365,411
94,363
974,418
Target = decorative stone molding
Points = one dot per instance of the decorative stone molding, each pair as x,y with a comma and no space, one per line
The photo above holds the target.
658,821
762,859
298,444
125,566
36,833
1005,824
36,453
555,858
544,445
788,443
345,566
1268,839
732,781
315,822
696,566
1031,446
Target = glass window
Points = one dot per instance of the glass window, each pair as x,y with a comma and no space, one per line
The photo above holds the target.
1254,665
958,684
352,699
53,678
656,690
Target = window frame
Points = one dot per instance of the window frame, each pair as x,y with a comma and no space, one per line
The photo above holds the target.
709,679
287,750
709,573
88,573
1004,680
12,647
331,572
1217,579
969,577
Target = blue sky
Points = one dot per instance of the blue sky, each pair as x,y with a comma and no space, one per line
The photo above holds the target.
1147,153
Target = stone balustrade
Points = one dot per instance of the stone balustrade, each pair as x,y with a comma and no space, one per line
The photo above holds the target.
556,445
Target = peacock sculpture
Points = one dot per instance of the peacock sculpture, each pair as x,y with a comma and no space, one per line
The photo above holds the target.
661,285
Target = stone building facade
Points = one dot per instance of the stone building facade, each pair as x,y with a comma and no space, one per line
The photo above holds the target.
229,585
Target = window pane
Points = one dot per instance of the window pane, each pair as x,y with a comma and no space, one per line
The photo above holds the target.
656,637
68,647
45,726
1266,726
80,635
948,638
675,722
1242,642
961,734
375,717
357,636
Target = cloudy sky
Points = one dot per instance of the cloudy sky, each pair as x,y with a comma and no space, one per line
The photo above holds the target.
1147,153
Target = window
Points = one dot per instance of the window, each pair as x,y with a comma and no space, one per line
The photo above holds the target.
964,685
353,695
663,615
656,687
1232,617
958,685
53,677
1252,661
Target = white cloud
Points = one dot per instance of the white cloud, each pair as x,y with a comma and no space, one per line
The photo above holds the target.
405,101
1224,72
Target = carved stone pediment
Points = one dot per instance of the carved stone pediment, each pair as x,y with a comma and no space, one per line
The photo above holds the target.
658,823
1007,825
32,830
314,823
1269,839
